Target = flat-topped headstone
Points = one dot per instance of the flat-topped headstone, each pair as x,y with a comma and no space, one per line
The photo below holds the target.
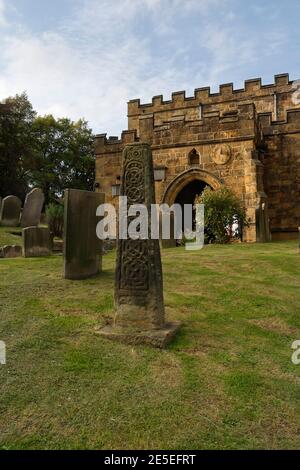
10,211
32,210
140,313
36,242
82,248
10,251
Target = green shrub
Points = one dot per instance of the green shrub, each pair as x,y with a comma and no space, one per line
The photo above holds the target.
222,210
55,219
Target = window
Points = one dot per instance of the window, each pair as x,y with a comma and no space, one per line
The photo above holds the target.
194,158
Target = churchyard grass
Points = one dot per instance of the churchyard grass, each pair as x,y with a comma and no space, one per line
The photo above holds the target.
227,380
9,238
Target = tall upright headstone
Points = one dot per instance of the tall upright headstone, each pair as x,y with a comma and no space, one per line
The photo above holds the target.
140,313
82,248
32,210
10,211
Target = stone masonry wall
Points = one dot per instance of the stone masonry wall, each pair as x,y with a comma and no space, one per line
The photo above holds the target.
254,126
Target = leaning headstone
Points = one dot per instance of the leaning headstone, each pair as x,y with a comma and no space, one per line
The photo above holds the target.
32,210
36,242
10,211
10,251
82,248
140,313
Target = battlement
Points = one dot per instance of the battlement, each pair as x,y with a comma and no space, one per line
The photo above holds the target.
204,95
114,144
290,124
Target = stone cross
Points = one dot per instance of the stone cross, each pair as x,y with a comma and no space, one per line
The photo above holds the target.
82,248
32,209
140,313
10,211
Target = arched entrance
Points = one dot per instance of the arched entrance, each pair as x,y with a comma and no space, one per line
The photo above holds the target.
193,180
185,187
188,194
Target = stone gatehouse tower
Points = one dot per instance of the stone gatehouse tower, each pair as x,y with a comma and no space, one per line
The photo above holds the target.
246,139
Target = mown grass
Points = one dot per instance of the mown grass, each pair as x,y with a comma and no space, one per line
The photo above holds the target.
226,382
8,236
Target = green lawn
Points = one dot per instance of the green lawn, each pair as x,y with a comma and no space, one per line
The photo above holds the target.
227,381
8,236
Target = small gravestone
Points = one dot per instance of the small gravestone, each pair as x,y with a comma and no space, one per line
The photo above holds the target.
36,242
32,210
10,211
10,251
140,313
82,248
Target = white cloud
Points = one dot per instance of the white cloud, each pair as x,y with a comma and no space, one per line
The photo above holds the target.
2,13
111,51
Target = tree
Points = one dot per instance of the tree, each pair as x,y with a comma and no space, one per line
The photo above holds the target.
16,118
62,156
222,209
53,154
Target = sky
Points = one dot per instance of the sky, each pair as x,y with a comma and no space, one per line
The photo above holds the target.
87,58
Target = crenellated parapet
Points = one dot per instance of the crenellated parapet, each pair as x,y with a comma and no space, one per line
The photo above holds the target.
290,125
204,95
276,98
112,144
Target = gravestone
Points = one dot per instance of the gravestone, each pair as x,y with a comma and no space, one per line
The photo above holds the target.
10,251
32,210
36,242
10,211
140,313
82,248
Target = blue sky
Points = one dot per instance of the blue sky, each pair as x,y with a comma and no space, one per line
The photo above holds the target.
87,58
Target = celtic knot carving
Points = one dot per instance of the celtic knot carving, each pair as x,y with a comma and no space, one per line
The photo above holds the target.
134,271
134,182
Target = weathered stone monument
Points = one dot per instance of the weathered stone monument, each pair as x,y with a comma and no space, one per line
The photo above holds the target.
10,211
32,209
10,251
36,242
82,248
140,313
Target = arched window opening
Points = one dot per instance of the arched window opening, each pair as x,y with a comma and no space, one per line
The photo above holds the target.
194,158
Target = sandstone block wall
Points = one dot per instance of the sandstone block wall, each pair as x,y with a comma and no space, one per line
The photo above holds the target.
247,139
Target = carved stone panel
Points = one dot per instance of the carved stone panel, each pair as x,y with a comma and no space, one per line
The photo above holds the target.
222,154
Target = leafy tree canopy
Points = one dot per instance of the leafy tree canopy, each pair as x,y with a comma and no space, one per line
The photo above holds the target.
42,151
